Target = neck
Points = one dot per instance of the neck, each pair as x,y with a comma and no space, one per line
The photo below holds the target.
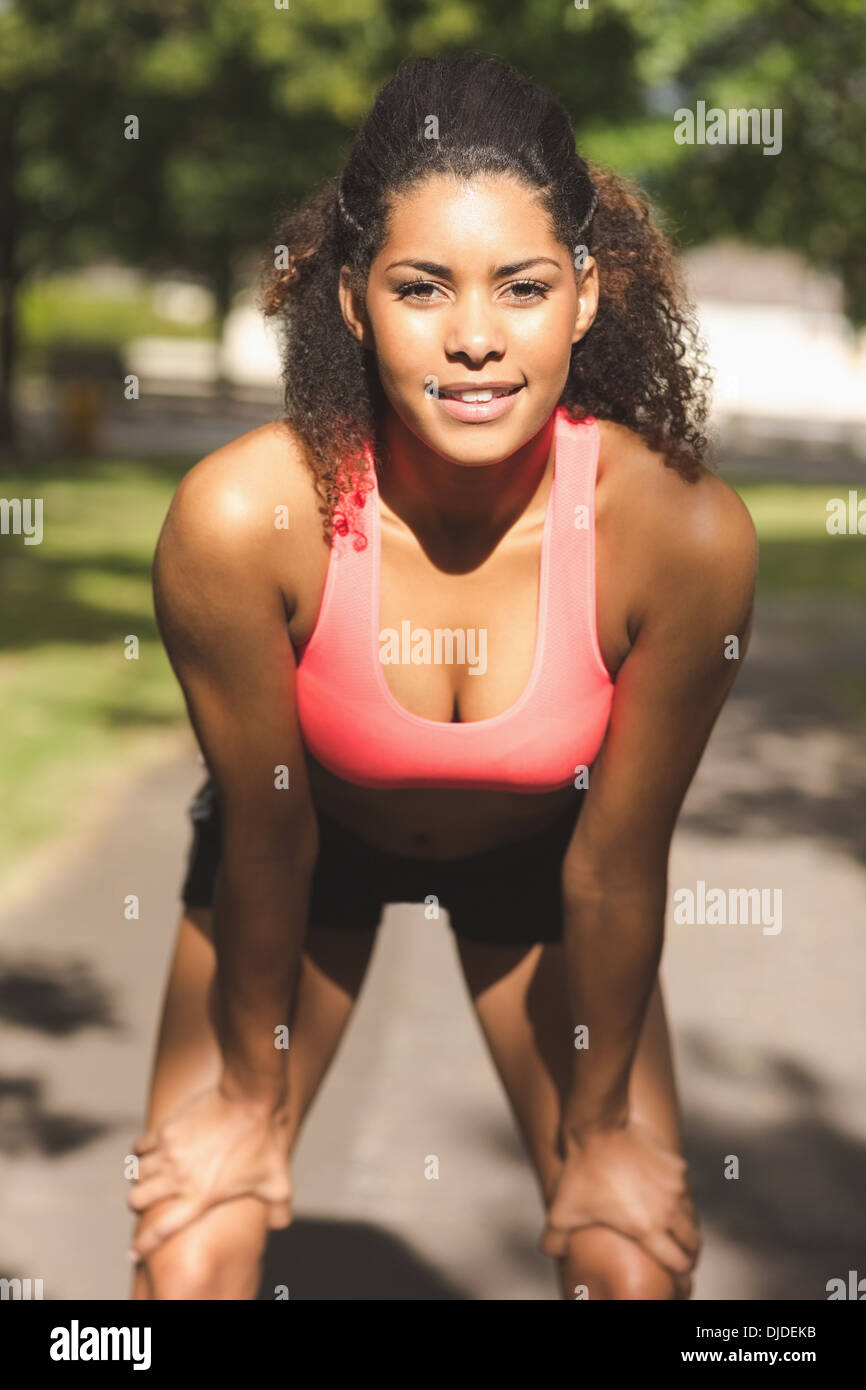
441,499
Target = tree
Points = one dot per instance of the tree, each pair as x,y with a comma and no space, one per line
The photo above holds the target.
806,58
237,109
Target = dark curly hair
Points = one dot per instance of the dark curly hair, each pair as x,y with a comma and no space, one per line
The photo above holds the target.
641,364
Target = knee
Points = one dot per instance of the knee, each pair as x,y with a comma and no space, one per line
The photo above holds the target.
601,1264
204,1265
633,1276
195,1272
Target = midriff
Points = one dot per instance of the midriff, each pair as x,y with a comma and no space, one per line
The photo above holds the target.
434,822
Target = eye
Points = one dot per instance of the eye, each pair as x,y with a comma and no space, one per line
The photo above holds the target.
405,290
538,289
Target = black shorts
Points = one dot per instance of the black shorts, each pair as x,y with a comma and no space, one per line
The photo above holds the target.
507,895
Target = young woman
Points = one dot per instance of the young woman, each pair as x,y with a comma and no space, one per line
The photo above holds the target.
488,677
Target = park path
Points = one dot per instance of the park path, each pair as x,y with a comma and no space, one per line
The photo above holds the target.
768,1032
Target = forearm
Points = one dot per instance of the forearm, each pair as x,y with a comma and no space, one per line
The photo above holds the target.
612,943
261,905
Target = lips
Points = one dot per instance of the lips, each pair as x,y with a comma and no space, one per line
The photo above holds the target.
462,403
457,393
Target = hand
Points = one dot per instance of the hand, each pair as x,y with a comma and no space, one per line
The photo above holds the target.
214,1148
623,1178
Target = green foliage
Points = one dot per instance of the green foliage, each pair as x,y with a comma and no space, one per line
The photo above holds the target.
75,713
808,60
242,108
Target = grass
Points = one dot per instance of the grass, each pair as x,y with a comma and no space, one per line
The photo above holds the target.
73,708
797,553
75,711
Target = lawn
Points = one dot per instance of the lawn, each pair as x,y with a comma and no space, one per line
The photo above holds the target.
73,708
797,552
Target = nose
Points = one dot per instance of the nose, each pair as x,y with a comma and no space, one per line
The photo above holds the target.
475,329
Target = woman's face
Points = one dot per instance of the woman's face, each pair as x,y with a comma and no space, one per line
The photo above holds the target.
497,303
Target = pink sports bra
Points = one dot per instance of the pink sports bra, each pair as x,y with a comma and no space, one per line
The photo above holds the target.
352,723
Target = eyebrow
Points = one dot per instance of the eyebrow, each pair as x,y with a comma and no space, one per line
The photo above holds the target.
444,272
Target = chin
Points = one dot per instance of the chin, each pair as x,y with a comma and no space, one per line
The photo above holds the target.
474,446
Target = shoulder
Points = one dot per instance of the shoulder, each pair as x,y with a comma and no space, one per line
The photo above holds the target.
237,487
696,534
248,502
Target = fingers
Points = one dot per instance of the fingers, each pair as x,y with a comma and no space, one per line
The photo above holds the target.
553,1243
144,1194
146,1142
554,1239
173,1219
150,1166
279,1215
276,1188
557,1243
677,1256
277,1194
665,1249
684,1230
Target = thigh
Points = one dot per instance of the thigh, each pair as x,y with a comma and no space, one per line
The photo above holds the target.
520,998
218,1255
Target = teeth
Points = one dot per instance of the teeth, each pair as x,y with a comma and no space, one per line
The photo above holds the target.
475,396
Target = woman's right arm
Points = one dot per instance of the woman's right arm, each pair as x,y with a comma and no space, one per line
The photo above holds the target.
219,591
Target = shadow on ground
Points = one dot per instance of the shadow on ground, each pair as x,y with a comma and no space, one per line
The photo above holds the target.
796,1211
58,999
28,1126
788,762
334,1260
797,1205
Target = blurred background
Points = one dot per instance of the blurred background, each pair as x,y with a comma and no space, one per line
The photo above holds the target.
144,150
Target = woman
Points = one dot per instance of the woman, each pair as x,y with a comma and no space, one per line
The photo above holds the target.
557,554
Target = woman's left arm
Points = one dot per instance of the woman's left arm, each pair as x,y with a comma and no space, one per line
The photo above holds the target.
693,632
693,629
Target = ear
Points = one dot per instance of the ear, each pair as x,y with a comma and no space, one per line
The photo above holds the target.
587,298
352,309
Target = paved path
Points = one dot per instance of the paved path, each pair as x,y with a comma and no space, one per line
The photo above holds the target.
768,1036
